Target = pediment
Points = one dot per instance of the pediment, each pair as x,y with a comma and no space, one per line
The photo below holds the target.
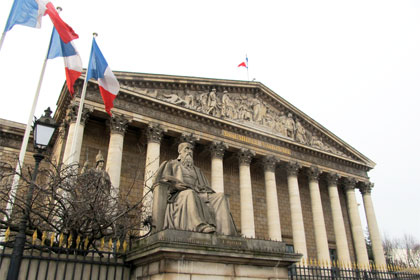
256,107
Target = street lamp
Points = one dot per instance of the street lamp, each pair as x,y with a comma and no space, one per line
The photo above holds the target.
44,128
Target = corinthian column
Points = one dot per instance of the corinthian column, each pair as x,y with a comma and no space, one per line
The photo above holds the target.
321,239
247,208
375,236
273,215
356,224
298,229
217,151
118,125
69,158
154,135
338,220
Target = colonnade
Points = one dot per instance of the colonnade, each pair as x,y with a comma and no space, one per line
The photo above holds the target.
154,134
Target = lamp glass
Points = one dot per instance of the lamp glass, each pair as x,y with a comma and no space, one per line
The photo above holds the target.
43,134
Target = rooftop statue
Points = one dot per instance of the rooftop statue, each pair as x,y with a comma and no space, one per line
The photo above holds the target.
190,203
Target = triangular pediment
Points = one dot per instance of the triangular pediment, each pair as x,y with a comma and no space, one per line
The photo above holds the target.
249,104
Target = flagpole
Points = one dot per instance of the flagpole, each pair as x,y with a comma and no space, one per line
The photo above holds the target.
247,66
3,36
71,159
25,141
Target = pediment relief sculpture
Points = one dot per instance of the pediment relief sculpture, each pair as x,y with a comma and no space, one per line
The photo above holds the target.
249,110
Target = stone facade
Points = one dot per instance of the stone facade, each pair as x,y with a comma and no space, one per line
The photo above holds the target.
242,115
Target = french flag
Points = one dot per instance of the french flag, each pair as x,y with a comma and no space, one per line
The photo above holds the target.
99,70
72,61
30,13
244,63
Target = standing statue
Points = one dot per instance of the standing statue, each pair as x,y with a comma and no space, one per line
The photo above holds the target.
191,202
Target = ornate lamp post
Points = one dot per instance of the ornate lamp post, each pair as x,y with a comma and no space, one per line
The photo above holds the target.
44,128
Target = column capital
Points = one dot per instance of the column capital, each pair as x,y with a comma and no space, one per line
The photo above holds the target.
270,163
188,138
349,183
313,173
332,178
292,168
366,187
218,149
245,156
154,133
118,123
73,110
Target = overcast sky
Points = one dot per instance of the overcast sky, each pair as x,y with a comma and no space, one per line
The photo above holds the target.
353,66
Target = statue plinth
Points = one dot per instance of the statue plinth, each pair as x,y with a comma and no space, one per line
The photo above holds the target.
172,253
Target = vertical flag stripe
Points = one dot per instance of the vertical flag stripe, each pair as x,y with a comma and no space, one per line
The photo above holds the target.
27,13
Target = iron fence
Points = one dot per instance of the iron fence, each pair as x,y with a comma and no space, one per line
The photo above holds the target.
47,262
308,272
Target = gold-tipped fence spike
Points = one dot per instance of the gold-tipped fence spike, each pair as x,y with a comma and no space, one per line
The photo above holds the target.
78,241
69,240
52,239
110,243
118,245
102,243
44,236
125,246
310,261
7,234
61,240
34,237
86,243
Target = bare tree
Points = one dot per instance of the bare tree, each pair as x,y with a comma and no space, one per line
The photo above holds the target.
403,251
71,203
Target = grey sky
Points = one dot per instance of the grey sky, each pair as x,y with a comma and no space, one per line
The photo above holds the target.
353,66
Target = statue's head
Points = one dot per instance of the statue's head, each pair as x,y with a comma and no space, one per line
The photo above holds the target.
100,161
185,151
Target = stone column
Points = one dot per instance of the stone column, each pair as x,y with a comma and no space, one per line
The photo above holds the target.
247,208
68,158
154,135
217,151
273,214
321,239
356,224
118,125
375,236
298,228
343,253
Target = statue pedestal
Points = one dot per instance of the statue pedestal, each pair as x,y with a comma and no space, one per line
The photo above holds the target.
174,254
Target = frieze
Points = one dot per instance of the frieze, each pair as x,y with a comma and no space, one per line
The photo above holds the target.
248,109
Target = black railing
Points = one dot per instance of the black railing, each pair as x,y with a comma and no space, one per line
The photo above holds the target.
309,272
46,262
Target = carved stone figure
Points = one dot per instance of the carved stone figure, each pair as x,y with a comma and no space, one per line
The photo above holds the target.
212,103
290,126
301,133
173,98
191,204
228,107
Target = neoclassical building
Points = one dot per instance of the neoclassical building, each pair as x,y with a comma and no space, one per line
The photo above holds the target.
287,177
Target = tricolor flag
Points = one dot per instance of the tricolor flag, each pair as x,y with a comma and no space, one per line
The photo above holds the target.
72,61
99,70
30,13
244,63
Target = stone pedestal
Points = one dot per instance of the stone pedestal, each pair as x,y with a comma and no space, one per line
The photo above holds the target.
173,254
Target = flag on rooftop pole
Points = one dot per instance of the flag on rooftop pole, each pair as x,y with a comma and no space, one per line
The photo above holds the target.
245,64
72,61
30,12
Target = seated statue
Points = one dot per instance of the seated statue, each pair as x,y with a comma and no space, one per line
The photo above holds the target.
190,203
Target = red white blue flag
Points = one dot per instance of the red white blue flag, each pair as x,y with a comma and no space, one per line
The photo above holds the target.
30,13
72,61
99,70
244,63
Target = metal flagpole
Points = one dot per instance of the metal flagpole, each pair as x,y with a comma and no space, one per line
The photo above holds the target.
25,141
2,39
79,113
247,71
